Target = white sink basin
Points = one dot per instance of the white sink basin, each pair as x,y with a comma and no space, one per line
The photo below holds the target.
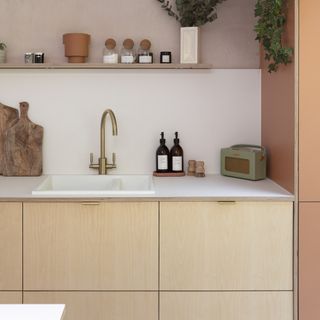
99,185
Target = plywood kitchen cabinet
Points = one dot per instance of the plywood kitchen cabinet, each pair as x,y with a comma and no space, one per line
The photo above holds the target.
226,246
101,305
91,246
10,297
226,305
309,260
10,246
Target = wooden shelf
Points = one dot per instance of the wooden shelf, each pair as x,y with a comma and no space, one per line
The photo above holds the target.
105,66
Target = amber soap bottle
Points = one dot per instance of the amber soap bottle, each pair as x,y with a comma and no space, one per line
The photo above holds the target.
162,156
176,156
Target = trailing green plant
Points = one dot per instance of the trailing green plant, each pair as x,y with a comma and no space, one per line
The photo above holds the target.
192,13
270,27
2,46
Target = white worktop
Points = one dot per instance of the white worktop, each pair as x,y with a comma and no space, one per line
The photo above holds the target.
31,311
209,188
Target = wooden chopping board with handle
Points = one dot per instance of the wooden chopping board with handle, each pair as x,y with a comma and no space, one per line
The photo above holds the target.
23,146
8,116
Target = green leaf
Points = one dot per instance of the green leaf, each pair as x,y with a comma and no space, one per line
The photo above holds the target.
269,29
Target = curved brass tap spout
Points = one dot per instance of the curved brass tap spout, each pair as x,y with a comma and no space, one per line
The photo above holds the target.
103,165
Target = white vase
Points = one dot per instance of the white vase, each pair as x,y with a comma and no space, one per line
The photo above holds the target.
189,47
2,56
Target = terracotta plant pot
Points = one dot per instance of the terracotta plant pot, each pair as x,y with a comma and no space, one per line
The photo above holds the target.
76,46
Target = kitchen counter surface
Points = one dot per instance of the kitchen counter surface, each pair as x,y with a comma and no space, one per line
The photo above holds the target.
209,188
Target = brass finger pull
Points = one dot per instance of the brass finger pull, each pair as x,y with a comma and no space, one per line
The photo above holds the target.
89,203
226,202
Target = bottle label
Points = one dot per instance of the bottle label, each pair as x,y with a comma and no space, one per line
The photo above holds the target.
165,59
126,59
162,163
176,163
111,58
145,59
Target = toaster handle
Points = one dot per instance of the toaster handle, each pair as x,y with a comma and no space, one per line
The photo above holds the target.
250,146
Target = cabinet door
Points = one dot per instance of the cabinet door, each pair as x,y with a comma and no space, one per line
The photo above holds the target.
100,305
227,246
10,297
309,112
91,246
309,261
226,305
10,246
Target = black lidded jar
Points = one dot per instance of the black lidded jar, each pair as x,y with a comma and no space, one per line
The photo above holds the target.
162,156
176,156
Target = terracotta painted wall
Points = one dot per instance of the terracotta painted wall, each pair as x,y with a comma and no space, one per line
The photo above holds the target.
277,112
39,25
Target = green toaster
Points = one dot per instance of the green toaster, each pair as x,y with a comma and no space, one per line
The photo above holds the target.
244,161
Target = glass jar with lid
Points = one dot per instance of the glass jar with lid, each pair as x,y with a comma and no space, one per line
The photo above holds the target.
144,54
127,51
110,55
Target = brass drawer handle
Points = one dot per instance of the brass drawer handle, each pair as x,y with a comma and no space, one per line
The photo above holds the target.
227,202
90,203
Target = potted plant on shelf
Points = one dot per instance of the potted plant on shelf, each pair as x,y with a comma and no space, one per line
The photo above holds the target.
2,52
191,14
270,27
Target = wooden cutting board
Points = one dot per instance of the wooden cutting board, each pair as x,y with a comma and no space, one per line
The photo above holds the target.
23,146
8,116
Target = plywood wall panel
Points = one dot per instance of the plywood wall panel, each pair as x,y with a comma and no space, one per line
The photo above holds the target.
309,261
309,96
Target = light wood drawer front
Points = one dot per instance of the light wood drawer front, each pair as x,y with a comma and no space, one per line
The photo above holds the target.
226,306
101,305
74,246
10,297
10,246
212,246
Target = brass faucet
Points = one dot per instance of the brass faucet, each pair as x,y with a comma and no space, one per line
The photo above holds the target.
103,164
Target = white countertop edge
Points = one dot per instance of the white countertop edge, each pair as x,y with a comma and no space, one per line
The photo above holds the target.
210,188
32,311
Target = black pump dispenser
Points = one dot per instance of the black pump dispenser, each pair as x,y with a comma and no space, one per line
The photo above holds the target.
162,140
162,156
176,140
176,156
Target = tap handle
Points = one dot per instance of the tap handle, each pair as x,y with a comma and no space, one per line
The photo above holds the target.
91,158
113,158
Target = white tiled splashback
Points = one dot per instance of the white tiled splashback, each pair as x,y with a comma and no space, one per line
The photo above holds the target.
209,108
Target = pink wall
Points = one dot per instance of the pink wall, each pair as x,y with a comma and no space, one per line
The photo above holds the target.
35,25
277,112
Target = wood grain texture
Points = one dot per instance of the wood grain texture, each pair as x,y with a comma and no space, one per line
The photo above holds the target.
108,246
239,246
101,305
10,246
10,297
309,95
23,147
8,116
226,305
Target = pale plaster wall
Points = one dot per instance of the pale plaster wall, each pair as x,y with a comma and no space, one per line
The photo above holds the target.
210,109
35,25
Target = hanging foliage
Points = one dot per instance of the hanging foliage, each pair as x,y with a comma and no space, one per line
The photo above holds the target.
270,27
